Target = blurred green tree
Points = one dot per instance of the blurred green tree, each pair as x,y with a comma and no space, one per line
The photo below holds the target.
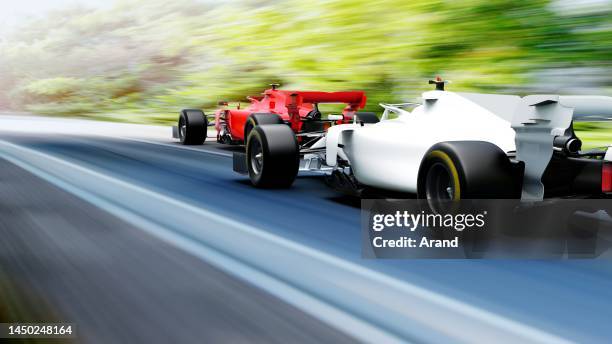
142,60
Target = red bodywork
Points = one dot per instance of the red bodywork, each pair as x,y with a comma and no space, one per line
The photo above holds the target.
291,106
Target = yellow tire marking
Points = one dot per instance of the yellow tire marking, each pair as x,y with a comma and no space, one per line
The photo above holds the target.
454,174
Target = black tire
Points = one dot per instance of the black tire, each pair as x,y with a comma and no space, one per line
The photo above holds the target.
272,155
467,170
192,127
256,119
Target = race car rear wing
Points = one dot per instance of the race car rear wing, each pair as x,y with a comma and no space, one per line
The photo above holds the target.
355,98
541,123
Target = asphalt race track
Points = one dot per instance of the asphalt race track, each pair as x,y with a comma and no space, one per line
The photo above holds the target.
120,284
88,263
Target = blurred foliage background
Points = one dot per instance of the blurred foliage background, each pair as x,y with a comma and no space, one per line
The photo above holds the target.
143,60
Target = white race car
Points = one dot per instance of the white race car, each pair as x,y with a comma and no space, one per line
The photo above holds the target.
451,146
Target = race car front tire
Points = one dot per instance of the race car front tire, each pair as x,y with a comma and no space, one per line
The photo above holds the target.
192,127
272,155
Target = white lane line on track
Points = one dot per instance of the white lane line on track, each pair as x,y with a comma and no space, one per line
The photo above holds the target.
388,302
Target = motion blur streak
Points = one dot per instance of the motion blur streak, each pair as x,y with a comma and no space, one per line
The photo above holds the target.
404,309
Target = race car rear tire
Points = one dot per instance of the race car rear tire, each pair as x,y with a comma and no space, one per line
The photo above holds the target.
192,127
272,155
260,119
466,170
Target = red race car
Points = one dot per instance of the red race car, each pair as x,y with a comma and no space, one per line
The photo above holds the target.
299,109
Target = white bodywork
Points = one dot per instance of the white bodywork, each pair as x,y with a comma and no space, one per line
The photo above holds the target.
388,154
